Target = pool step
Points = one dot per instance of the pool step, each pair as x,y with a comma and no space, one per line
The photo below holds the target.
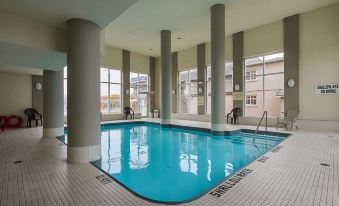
259,136
242,140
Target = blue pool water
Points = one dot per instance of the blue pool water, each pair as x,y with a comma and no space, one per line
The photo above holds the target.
175,165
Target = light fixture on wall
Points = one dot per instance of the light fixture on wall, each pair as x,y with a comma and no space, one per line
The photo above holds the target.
200,90
38,86
127,91
291,83
237,87
173,91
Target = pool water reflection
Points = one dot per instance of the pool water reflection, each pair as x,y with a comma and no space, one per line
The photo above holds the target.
174,165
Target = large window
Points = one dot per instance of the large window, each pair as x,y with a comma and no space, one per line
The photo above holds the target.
264,85
110,90
65,90
139,93
188,94
228,87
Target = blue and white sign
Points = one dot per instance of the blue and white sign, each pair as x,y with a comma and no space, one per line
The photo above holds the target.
138,79
326,89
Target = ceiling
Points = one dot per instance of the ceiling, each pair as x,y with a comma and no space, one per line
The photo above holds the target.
57,12
138,28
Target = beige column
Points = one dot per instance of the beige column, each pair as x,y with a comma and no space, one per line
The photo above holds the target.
83,115
218,67
165,111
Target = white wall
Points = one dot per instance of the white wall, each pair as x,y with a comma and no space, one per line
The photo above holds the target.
24,31
139,63
264,39
16,93
228,50
319,62
187,58
112,58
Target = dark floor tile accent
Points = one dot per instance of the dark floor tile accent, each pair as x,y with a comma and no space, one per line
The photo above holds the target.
263,159
104,179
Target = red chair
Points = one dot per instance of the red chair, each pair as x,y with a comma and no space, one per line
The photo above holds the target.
13,121
2,124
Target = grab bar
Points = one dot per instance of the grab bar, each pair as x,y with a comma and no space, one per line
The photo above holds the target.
262,117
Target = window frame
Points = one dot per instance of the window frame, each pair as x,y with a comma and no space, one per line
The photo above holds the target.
188,84
251,98
263,75
252,75
109,83
137,94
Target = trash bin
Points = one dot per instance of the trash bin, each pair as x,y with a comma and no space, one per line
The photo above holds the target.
156,113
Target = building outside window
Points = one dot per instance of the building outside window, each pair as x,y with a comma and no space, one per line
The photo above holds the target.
110,90
228,87
139,93
251,100
264,85
251,74
188,91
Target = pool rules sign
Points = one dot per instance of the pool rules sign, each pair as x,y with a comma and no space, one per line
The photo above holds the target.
326,89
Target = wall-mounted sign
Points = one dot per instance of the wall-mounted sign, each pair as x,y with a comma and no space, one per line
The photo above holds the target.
237,95
138,79
326,88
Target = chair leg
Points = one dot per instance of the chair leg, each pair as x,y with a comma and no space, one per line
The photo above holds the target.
36,122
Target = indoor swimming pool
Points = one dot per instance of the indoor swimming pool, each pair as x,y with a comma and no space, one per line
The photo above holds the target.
175,164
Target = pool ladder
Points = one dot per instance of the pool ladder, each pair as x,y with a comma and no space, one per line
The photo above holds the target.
262,117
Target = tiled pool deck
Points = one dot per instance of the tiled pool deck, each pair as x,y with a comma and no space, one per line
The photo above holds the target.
290,175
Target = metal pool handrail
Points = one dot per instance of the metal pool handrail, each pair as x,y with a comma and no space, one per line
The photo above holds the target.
262,117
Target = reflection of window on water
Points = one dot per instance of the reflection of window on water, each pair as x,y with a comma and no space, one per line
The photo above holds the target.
264,85
228,169
139,93
138,148
112,147
188,154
